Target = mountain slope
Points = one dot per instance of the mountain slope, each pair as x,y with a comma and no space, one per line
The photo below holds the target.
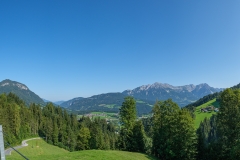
109,102
208,97
70,102
21,90
200,116
182,95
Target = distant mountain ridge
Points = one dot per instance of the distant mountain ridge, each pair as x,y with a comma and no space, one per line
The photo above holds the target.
182,95
21,90
70,102
145,95
108,102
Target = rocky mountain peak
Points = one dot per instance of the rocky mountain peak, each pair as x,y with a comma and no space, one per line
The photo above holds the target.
181,94
8,82
21,90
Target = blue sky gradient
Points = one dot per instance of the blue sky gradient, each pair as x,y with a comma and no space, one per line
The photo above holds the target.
65,49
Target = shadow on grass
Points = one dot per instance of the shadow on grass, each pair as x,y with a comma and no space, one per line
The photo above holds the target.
151,157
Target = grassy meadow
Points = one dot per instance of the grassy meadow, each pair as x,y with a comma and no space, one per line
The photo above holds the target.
201,115
39,150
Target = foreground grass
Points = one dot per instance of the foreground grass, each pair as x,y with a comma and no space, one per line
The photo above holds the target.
39,150
201,115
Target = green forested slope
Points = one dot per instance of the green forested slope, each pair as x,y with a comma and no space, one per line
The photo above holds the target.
21,90
207,98
109,102
55,124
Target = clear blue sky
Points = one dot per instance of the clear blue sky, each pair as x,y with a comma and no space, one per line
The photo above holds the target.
64,49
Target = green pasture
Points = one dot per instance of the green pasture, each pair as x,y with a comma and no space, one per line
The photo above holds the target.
201,115
40,150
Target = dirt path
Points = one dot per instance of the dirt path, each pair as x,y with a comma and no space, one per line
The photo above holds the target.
24,144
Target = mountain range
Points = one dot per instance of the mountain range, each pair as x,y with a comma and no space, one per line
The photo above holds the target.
182,95
145,95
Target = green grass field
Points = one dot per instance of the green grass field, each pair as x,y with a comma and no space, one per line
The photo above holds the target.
40,150
200,115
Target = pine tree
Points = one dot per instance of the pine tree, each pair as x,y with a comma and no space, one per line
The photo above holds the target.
83,139
138,137
128,113
127,121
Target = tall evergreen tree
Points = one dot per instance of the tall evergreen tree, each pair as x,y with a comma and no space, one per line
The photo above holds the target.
138,137
83,139
128,140
128,113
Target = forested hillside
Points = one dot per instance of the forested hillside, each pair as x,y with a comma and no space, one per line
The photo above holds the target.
54,124
218,137
109,102
208,98
21,90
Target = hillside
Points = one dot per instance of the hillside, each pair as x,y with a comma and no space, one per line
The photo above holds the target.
182,95
21,90
109,102
39,149
200,116
68,103
209,97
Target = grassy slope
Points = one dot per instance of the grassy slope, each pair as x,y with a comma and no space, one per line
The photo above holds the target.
39,150
200,115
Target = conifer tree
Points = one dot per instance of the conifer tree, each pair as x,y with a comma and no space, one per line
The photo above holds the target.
138,137
127,121
83,139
